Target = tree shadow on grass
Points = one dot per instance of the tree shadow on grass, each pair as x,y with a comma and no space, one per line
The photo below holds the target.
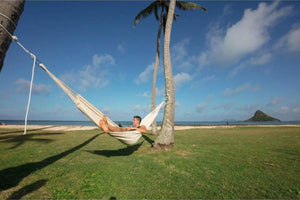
120,152
21,139
12,176
29,130
149,140
27,189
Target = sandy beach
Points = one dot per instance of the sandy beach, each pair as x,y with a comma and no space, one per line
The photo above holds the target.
78,128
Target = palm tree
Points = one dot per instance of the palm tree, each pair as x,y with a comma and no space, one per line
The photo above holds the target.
10,12
153,8
166,136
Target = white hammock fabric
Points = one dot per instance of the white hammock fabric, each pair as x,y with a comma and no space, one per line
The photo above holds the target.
131,137
128,137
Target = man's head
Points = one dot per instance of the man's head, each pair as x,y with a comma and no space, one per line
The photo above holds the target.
136,121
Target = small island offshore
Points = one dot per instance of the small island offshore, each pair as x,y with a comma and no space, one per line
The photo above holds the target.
260,116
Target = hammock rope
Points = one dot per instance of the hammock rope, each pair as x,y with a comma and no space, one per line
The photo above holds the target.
15,38
128,137
29,96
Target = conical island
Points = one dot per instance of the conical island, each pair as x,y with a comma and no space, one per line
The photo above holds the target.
260,116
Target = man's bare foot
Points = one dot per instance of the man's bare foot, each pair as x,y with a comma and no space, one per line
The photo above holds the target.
104,118
103,126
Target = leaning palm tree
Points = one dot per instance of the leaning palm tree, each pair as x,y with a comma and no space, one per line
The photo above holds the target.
10,12
153,8
166,135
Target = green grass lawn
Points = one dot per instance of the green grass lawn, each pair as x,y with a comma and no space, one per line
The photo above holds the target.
220,163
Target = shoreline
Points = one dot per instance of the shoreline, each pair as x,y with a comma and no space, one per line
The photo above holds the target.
177,127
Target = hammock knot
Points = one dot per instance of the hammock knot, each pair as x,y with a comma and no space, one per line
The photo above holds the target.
15,38
32,55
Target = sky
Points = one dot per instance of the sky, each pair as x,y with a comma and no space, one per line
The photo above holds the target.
227,63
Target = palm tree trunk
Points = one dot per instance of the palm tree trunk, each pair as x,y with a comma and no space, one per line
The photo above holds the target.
166,136
9,17
154,125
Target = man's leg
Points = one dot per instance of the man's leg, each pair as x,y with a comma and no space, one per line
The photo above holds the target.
116,129
103,126
108,128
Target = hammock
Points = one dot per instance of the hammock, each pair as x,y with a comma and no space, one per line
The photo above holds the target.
126,137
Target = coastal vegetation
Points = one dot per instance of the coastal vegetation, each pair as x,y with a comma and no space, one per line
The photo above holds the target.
218,163
260,116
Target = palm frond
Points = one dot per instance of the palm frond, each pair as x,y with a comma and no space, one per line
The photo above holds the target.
145,12
156,14
164,22
175,16
166,9
182,5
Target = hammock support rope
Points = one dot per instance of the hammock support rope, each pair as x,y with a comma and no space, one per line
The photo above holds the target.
15,38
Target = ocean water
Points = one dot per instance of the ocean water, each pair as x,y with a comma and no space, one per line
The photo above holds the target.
129,123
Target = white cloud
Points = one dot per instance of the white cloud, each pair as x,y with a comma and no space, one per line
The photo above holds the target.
291,41
285,112
180,57
187,63
244,37
146,94
284,109
141,109
260,59
253,61
91,76
38,89
69,78
88,78
181,78
204,81
179,50
231,92
296,110
276,101
103,60
145,75
121,48
203,59
158,92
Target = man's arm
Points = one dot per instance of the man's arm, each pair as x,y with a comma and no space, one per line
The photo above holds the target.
118,129
142,129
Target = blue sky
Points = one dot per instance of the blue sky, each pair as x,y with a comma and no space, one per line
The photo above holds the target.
227,63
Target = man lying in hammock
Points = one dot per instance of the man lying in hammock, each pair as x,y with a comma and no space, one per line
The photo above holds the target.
136,126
